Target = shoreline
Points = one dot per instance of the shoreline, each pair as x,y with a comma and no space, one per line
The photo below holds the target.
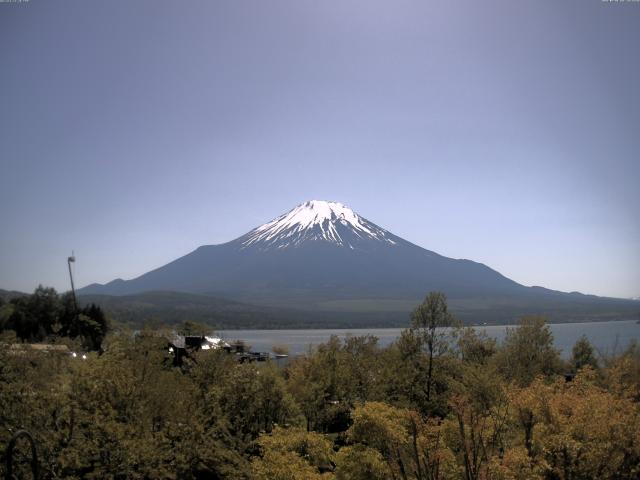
515,324
606,336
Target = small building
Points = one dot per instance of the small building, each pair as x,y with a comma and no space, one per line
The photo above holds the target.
182,347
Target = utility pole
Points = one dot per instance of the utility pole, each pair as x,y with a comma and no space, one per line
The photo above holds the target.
71,259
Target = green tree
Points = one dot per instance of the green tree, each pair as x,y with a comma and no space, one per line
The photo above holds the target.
253,399
411,447
330,379
405,371
528,351
189,327
44,305
35,317
92,326
293,454
431,323
579,430
359,462
136,418
479,418
475,348
307,383
582,354
359,367
23,322
89,323
5,312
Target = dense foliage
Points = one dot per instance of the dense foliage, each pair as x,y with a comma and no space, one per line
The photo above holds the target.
47,316
439,403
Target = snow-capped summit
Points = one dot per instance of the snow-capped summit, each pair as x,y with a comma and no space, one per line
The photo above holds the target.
317,221
322,260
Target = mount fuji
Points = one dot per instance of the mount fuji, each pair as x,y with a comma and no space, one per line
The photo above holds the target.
323,257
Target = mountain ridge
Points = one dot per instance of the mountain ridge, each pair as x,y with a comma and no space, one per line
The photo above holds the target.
323,252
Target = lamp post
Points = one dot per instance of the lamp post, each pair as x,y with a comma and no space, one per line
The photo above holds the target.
71,259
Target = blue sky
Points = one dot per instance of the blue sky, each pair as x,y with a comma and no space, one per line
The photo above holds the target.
504,132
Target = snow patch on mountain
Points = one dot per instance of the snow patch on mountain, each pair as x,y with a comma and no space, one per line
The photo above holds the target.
316,220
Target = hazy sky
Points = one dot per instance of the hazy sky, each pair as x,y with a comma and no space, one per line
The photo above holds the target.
505,132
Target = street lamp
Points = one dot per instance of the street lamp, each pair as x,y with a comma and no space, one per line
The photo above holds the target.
71,259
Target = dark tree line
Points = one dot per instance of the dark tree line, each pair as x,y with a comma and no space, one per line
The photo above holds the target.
45,315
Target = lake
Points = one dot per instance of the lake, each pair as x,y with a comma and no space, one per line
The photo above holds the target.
606,337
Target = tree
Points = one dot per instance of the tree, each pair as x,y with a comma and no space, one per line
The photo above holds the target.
293,454
23,322
430,321
189,327
90,323
330,379
623,373
577,430
411,447
44,306
35,317
475,348
359,367
479,419
404,373
359,462
136,418
93,326
308,384
583,354
5,312
68,316
45,314
253,399
528,351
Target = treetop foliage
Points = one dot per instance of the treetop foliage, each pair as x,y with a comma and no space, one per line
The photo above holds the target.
45,315
349,409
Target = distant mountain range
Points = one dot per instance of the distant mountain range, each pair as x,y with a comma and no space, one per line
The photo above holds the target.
323,262
11,294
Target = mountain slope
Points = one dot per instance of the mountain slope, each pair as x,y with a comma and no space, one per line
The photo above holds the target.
323,256
319,249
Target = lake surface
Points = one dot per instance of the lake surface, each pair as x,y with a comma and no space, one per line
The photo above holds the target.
606,337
